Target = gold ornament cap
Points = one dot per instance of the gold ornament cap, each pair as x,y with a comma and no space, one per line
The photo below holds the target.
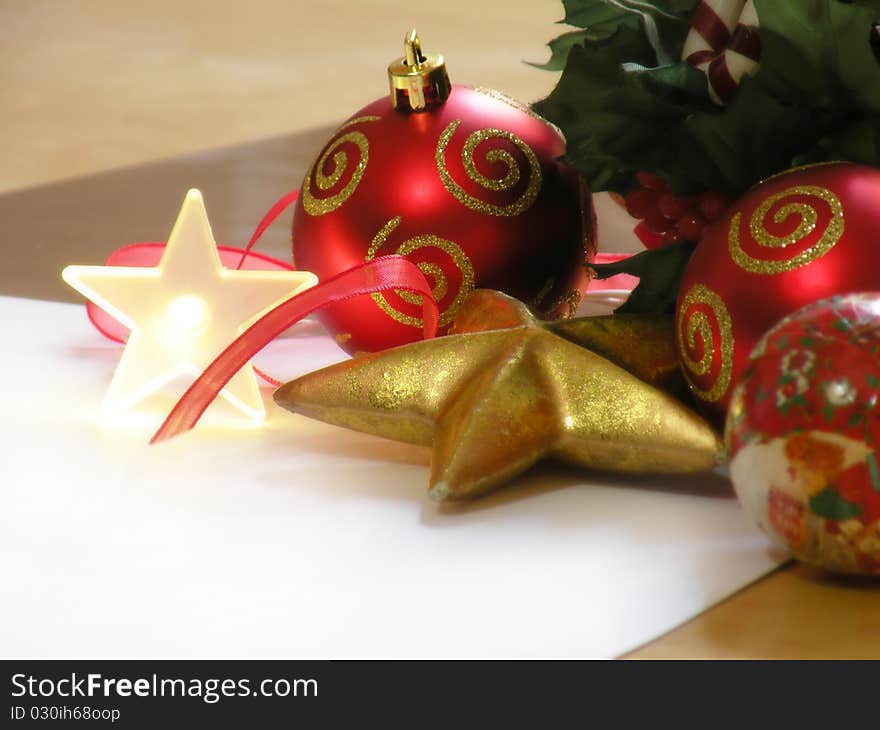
417,81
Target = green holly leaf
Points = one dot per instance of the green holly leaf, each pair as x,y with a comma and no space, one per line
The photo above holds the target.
755,136
620,114
597,20
674,79
817,55
625,104
559,48
855,141
819,51
829,504
612,104
602,18
659,271
664,22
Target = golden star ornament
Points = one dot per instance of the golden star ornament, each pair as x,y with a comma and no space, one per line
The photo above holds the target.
183,312
490,404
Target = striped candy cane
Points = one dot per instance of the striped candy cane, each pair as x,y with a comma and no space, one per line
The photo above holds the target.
724,44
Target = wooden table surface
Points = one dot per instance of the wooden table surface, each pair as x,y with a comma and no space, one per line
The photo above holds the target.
91,86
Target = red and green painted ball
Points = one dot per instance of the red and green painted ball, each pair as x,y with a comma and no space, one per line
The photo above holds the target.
801,236
803,432
470,190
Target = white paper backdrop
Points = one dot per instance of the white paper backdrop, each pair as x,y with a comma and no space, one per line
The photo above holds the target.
303,540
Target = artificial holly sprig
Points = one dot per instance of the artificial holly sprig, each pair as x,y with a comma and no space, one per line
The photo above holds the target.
626,103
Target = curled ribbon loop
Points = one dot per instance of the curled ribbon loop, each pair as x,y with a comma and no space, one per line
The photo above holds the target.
382,274
379,275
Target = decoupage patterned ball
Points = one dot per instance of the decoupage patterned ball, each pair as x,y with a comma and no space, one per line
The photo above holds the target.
801,236
470,191
803,431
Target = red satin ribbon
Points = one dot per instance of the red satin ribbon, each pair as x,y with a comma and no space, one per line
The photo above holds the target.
268,219
381,274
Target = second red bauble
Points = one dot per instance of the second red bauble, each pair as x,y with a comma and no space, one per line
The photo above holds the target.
469,189
804,235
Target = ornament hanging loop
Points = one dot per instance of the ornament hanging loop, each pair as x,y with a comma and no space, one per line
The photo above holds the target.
417,81
412,50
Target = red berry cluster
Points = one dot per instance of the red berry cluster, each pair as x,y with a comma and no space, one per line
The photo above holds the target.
676,217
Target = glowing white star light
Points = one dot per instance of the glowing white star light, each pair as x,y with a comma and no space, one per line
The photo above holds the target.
183,312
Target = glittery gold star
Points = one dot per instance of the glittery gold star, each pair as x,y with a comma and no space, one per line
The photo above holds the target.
183,312
493,403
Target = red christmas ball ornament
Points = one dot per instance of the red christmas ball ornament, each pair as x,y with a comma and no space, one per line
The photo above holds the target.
803,432
462,182
798,237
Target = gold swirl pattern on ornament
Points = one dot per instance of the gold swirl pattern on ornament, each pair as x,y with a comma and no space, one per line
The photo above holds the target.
440,283
691,325
320,206
506,182
809,217
572,298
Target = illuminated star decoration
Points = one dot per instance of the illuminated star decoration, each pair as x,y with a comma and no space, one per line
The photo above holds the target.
183,312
